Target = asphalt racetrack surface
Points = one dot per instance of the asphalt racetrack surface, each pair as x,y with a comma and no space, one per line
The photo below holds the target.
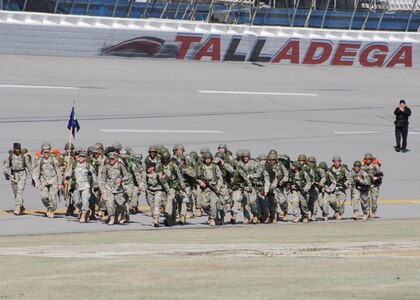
320,111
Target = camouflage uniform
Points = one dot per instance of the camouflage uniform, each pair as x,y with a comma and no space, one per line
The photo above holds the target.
15,168
210,176
341,175
156,189
134,183
300,184
48,176
154,158
261,182
84,177
277,198
173,176
249,196
316,190
67,161
327,190
185,198
111,185
375,173
239,180
225,191
360,185
98,160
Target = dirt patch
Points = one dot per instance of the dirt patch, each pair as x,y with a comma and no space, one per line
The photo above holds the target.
403,249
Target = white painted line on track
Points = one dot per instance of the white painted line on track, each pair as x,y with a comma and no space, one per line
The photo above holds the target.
258,93
370,132
357,132
20,86
159,131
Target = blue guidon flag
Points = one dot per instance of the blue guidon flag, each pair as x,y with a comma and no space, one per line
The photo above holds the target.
73,125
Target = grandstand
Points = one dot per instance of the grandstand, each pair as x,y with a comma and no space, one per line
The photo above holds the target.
389,15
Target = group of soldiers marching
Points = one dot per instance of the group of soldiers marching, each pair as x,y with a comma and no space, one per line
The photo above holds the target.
106,183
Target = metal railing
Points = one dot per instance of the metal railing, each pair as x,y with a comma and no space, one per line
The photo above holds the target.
394,15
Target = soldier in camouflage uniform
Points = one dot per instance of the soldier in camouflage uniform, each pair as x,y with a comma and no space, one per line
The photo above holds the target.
327,190
341,174
277,198
300,184
83,175
97,160
210,181
172,175
225,191
16,167
359,181
249,196
113,174
48,178
315,191
156,189
239,179
191,208
152,157
261,182
134,182
185,198
375,174
67,162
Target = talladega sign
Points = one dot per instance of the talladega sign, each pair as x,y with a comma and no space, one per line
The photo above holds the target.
268,50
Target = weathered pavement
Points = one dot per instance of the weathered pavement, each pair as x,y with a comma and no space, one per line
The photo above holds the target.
320,111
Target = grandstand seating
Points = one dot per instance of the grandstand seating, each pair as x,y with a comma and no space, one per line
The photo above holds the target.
379,15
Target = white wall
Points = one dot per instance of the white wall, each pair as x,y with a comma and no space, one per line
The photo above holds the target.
66,35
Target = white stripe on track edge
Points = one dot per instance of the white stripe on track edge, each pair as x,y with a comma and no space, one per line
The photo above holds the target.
258,93
371,132
159,131
21,86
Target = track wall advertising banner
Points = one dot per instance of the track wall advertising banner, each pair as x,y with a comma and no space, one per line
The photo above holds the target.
89,41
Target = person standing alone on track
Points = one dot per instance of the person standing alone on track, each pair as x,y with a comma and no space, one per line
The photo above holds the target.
401,126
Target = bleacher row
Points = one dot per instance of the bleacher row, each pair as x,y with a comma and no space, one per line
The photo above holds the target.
403,5
223,12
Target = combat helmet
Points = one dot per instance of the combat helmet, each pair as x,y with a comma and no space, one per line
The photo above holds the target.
46,146
296,164
165,155
302,157
368,156
336,157
357,163
239,153
208,155
246,153
117,146
153,149
262,157
311,159
323,165
272,156
68,146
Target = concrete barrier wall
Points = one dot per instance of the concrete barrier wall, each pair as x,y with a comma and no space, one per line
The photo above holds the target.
69,35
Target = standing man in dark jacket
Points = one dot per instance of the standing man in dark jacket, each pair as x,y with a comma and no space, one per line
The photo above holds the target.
401,126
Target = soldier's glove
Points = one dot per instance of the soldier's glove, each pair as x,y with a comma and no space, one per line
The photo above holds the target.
7,176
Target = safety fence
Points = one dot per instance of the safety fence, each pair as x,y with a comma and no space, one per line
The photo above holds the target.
385,15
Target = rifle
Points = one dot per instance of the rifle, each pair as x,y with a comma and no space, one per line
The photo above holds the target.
208,184
300,189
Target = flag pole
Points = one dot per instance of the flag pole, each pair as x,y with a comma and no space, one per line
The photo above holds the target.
70,140
70,143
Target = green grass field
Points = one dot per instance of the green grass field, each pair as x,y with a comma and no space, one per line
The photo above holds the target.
346,260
